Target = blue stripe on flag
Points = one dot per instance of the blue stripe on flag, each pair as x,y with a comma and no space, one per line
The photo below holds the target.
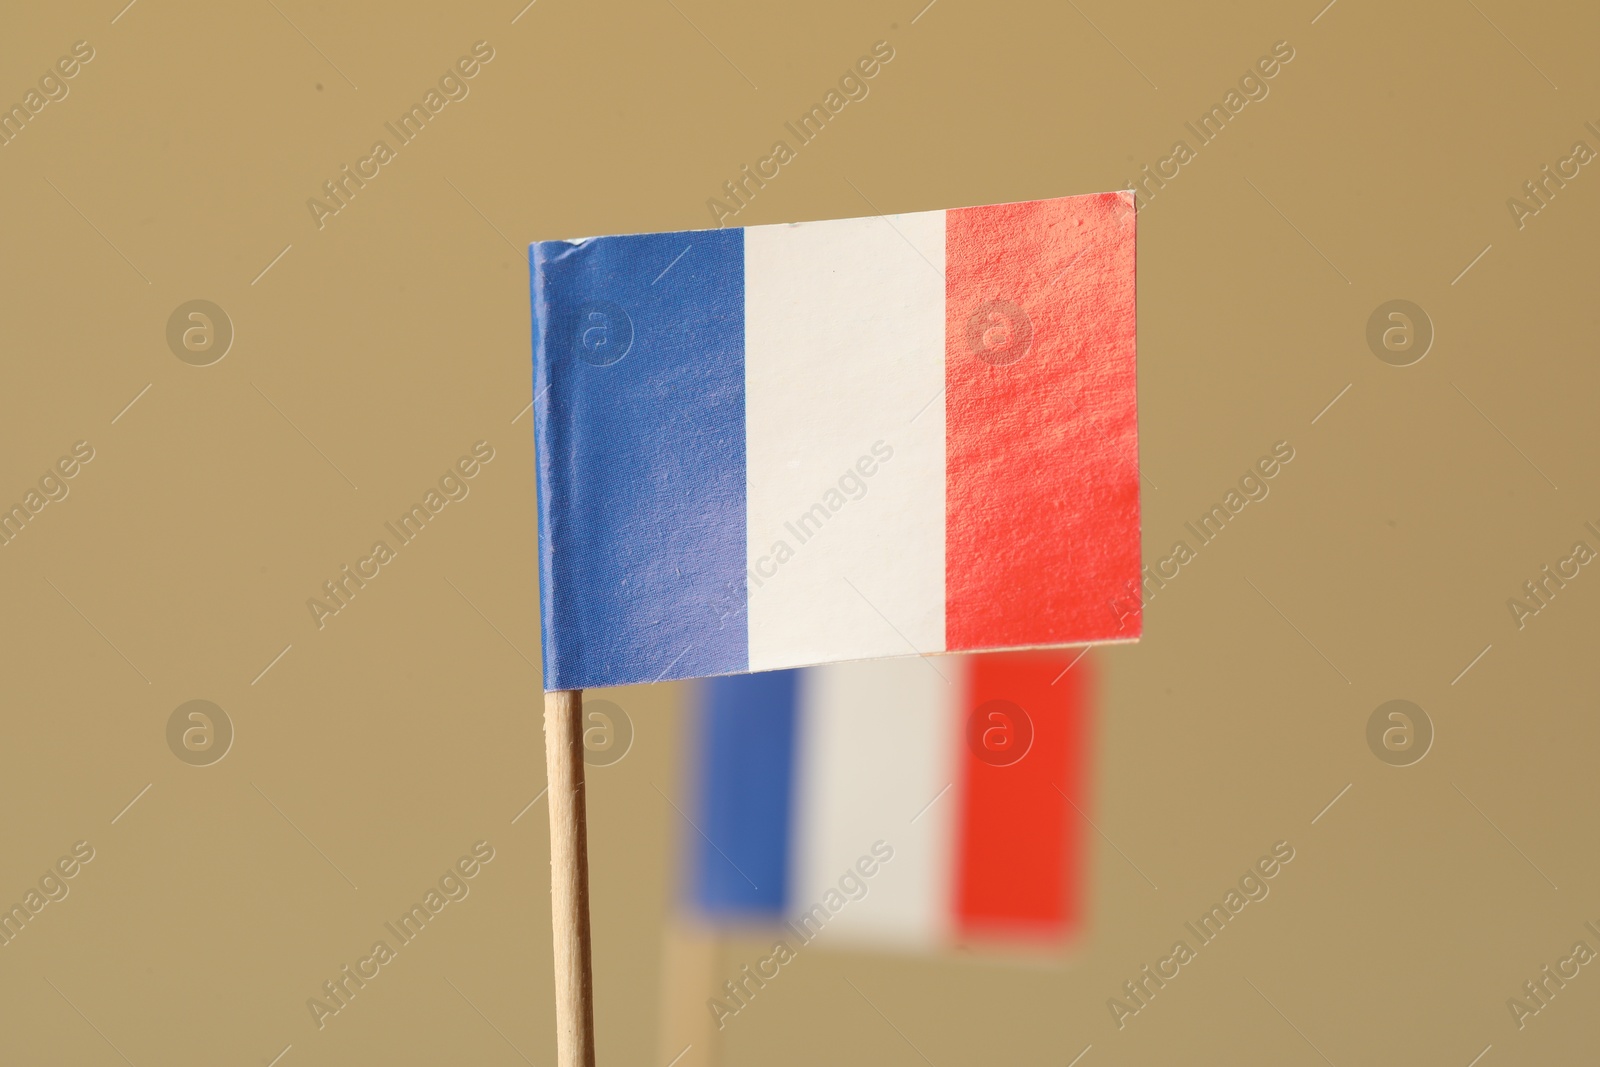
639,419
740,866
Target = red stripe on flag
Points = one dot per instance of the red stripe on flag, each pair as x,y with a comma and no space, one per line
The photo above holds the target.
1042,477
1020,867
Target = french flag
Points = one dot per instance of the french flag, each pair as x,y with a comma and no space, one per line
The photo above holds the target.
800,444
898,803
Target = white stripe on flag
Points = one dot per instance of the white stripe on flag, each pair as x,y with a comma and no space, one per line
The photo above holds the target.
876,745
844,354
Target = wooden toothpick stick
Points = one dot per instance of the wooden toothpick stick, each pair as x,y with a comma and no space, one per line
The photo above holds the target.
569,878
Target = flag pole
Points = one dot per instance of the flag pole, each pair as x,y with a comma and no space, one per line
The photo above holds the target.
569,878
690,953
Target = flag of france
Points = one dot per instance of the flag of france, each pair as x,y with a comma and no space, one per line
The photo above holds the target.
905,803
799,444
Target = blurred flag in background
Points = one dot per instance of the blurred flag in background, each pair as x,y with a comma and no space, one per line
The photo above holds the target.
914,803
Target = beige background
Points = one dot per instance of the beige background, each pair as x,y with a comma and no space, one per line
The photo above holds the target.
373,752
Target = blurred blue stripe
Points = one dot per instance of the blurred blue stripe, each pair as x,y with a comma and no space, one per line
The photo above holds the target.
745,808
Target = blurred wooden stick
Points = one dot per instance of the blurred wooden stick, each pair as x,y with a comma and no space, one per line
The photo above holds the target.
690,952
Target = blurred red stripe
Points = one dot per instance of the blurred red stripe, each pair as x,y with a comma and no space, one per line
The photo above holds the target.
1020,856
